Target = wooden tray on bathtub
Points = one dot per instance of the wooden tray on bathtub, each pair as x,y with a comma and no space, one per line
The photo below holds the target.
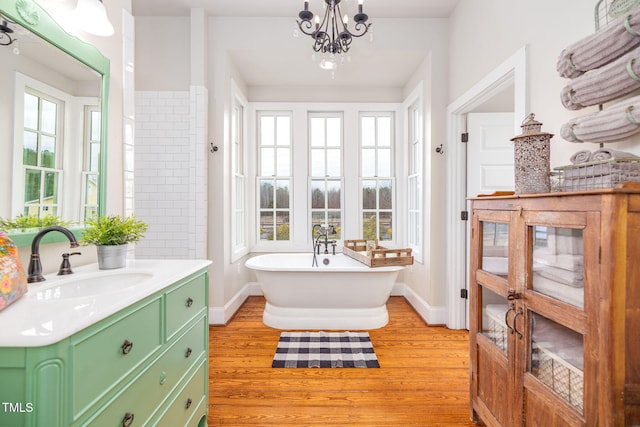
379,257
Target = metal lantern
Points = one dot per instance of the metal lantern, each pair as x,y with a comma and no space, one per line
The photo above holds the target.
531,152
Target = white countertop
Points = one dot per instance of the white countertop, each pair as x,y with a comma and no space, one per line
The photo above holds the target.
42,317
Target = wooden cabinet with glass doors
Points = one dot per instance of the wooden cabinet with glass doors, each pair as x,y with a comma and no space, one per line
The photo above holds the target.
555,309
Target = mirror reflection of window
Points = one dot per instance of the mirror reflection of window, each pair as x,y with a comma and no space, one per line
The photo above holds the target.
91,162
41,157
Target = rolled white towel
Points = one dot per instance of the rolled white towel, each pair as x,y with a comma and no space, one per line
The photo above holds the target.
581,156
609,153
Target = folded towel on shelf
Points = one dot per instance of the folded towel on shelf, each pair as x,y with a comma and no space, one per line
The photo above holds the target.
581,156
616,122
565,261
612,81
609,43
609,153
569,294
604,181
560,275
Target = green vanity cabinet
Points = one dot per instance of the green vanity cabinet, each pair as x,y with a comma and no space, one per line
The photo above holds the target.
144,365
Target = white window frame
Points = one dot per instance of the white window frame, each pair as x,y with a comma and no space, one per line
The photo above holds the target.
325,178
238,135
274,177
377,178
414,113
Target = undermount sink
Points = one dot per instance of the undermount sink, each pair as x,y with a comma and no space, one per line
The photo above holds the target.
90,284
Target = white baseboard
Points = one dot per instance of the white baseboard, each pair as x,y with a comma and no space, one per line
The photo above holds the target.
431,315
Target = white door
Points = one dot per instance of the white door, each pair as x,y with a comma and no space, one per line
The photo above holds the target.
489,153
489,159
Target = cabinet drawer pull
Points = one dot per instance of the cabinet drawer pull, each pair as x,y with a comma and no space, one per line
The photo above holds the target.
126,347
188,352
128,419
189,302
188,404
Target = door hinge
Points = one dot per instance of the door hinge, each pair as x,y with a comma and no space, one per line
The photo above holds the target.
464,215
464,294
464,137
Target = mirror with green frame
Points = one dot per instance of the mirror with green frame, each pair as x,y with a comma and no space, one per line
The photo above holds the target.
53,122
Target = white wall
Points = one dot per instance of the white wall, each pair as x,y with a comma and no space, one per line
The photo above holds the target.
484,34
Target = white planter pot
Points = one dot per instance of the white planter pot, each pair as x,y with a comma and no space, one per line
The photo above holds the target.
112,256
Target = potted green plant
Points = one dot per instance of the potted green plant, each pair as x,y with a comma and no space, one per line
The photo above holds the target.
111,234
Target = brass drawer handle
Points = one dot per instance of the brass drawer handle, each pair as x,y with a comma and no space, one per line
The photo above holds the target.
188,404
189,302
128,419
188,352
126,347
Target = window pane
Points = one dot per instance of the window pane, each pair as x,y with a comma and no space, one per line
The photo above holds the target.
317,195
49,116
386,232
48,146
283,130
333,194
267,130
30,150
266,226
30,111
317,132
51,187
333,162
318,218
369,162
369,195
384,162
368,127
283,161
32,186
335,220
267,162
334,132
266,194
95,125
384,131
369,223
91,190
282,225
282,194
386,194
317,162
94,157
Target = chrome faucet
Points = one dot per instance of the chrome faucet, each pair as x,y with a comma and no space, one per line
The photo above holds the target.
35,266
322,232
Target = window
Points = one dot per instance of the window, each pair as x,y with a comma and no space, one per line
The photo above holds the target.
91,162
376,171
274,180
41,154
414,180
325,140
238,189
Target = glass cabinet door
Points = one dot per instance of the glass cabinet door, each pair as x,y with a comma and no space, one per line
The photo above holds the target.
495,248
557,268
556,358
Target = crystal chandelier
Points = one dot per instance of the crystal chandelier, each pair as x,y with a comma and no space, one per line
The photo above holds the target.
332,35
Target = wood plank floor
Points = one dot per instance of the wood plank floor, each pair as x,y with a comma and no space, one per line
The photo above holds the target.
423,378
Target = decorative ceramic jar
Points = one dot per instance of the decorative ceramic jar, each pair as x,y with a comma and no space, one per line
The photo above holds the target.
531,152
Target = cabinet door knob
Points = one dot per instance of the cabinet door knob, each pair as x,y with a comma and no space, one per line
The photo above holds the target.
126,347
128,419
188,404
189,302
188,352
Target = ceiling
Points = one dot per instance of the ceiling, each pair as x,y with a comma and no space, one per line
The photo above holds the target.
264,68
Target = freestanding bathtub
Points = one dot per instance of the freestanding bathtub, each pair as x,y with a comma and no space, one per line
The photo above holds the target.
340,293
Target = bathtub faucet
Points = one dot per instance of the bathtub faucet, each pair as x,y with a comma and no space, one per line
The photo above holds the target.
322,238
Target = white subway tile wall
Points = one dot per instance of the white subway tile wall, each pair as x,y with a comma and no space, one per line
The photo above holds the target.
170,173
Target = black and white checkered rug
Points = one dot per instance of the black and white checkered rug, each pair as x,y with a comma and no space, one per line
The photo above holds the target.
325,350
